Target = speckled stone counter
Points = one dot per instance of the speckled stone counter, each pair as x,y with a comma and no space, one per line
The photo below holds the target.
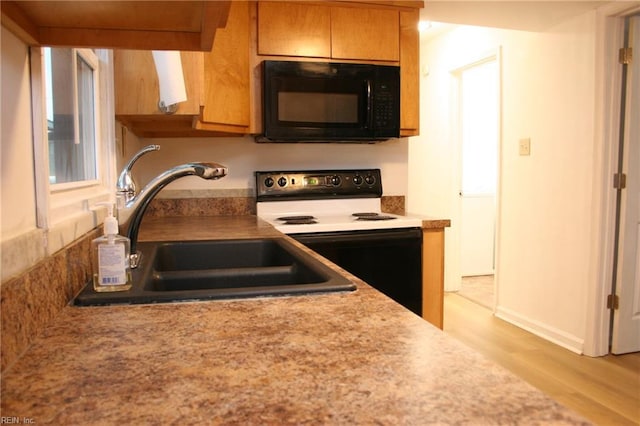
342,358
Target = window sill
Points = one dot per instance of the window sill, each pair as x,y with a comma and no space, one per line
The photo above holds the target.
26,250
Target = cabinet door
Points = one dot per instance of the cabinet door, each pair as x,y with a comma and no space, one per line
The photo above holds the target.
409,73
369,34
226,75
136,83
294,29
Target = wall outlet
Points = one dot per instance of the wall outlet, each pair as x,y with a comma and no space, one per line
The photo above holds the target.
525,146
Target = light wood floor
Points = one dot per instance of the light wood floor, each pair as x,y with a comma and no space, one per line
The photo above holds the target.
605,390
478,289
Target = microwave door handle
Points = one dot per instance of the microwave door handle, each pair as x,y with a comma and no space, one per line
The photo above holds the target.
369,105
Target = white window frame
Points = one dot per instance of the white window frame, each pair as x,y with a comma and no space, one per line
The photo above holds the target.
66,210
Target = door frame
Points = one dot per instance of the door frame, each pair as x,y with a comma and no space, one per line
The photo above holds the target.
609,38
482,57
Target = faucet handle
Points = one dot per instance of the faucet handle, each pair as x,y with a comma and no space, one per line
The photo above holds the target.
125,184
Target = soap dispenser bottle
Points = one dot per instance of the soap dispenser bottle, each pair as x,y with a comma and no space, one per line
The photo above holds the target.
111,267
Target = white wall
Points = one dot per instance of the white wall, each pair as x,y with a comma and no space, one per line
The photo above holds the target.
546,209
243,156
16,154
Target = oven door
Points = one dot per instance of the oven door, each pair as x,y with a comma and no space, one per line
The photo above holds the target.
390,260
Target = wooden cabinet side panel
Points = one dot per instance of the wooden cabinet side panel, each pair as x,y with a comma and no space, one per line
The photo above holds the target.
409,73
294,29
433,276
370,34
226,72
135,81
137,90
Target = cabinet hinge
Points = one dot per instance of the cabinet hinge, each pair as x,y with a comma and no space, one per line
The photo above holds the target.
619,181
613,301
625,55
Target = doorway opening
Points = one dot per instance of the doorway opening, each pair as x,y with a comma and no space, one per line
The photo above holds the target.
478,129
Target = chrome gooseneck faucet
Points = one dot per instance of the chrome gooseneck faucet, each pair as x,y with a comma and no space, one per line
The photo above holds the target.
131,206
126,185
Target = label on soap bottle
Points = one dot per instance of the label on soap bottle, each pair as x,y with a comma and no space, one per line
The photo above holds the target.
111,267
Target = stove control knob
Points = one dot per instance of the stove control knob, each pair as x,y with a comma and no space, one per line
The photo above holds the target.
282,181
335,180
268,182
357,179
370,180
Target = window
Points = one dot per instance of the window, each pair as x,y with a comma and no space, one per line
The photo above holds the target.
71,77
73,131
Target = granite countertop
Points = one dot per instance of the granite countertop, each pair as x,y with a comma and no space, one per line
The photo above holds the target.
342,358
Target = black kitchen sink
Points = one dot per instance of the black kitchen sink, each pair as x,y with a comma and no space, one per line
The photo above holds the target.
221,269
227,264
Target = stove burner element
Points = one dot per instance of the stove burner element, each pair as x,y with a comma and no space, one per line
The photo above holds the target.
298,220
372,216
376,218
286,218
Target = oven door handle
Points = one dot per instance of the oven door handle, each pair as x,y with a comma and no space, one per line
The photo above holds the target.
359,236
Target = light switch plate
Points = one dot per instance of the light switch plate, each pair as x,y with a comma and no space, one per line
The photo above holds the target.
525,146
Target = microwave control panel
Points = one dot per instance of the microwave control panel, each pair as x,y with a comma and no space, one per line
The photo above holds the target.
385,113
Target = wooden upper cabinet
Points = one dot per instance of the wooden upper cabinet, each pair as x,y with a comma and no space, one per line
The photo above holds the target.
217,84
149,25
311,30
226,76
367,34
294,29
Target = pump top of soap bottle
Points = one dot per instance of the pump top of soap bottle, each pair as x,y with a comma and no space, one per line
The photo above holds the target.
110,222
110,226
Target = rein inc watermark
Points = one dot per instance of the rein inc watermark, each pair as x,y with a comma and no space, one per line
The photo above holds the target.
15,420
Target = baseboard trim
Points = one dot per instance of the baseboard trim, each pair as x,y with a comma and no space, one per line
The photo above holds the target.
554,335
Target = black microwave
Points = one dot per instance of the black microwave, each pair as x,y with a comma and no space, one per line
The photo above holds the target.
330,102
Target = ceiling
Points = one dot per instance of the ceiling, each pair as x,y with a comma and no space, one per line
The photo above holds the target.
515,15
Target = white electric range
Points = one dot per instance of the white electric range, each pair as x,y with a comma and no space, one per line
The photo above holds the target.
338,214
